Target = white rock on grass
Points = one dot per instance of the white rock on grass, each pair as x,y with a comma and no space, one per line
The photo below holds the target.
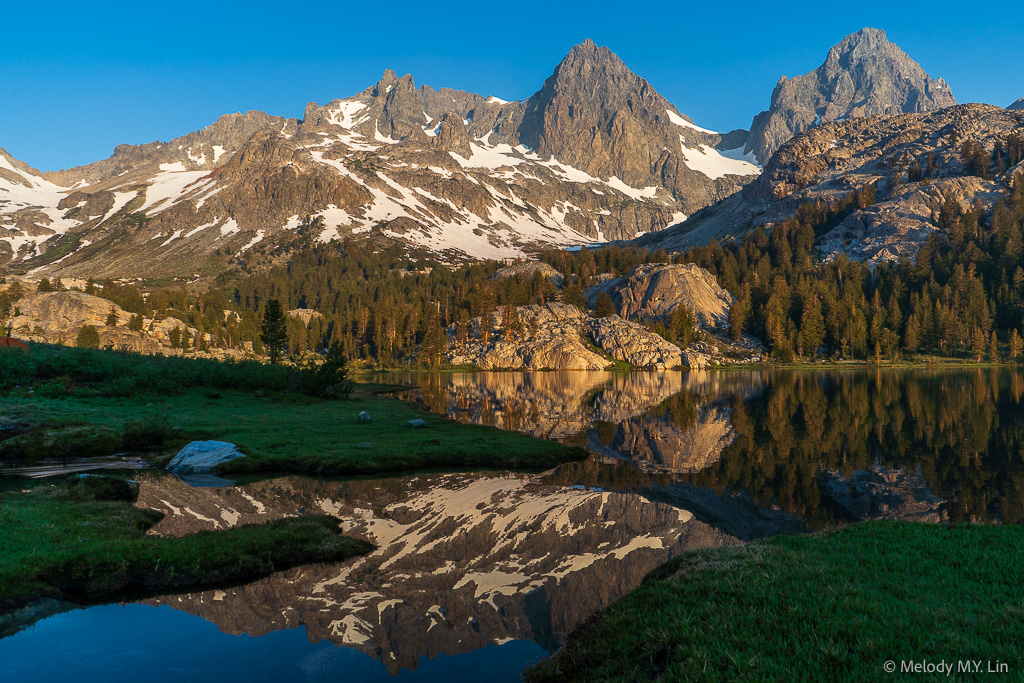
200,457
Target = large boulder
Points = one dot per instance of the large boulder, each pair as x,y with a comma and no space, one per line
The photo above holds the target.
56,317
559,336
632,343
527,269
200,457
65,312
882,493
550,337
654,290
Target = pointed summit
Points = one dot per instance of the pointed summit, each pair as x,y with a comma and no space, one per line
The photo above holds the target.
1018,105
863,75
583,108
596,115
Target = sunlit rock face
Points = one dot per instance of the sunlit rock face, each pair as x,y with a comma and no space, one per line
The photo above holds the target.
463,561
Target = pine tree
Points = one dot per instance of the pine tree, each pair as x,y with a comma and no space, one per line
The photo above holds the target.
739,313
274,330
434,338
977,344
573,295
112,317
993,348
682,326
1016,345
508,321
812,328
911,335
605,306
88,338
44,285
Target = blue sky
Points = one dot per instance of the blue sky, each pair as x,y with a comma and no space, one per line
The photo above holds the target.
76,80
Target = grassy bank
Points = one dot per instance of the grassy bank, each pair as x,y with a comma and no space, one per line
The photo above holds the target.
83,540
836,605
68,403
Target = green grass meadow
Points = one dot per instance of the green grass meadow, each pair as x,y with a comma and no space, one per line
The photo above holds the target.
834,606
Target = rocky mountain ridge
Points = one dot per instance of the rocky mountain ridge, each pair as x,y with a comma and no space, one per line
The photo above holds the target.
829,162
864,75
439,170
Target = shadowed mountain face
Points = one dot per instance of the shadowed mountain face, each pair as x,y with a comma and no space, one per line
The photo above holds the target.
864,75
463,560
1018,105
596,154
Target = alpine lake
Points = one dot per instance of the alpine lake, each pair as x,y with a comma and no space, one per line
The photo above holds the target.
479,575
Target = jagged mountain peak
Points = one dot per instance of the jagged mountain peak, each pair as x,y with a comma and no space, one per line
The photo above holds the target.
863,75
596,154
390,81
591,64
595,114
866,39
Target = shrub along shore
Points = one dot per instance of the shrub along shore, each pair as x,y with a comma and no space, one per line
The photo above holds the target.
83,540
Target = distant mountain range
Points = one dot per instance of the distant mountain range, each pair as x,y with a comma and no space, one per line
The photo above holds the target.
596,154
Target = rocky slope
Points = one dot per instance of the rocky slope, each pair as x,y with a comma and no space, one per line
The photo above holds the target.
559,336
1018,105
864,75
654,291
596,154
830,161
57,318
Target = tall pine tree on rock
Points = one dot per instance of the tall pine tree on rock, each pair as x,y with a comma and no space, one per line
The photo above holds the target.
274,331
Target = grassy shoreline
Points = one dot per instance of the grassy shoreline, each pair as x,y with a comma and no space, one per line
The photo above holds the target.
82,540
811,607
61,540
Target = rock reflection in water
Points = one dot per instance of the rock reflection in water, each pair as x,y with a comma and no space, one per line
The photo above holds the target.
463,560
661,421
824,446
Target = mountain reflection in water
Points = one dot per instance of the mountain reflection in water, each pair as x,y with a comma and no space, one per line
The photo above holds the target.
463,561
509,564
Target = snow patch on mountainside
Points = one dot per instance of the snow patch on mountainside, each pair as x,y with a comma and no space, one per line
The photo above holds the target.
680,121
346,114
738,155
708,161
170,184
36,194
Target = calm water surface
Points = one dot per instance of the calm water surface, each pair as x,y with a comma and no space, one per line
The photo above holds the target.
478,575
